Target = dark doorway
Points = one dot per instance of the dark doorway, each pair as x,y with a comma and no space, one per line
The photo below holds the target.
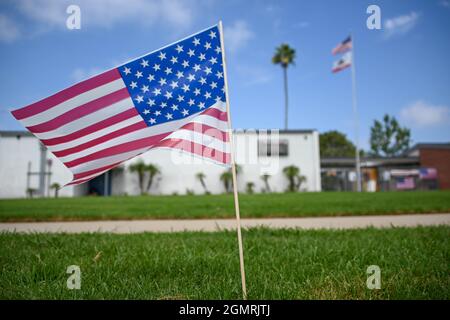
100,185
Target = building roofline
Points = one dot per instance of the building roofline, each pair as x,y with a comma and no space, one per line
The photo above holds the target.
375,161
418,146
15,133
280,131
298,131
369,158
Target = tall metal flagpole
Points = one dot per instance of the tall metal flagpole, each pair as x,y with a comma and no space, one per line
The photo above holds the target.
233,168
355,115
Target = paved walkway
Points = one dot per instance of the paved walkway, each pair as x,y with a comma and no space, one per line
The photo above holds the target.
133,226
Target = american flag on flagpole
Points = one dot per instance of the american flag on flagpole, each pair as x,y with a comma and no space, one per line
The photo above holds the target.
173,98
346,60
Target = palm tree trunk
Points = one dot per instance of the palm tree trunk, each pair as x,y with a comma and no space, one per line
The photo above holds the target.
203,185
141,182
150,181
285,98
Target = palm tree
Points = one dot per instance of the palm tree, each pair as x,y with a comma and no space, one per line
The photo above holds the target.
201,177
295,178
153,171
284,55
300,180
250,186
226,178
291,172
31,192
139,167
265,178
55,186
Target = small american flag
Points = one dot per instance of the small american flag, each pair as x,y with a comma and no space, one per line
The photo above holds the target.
427,173
344,46
405,183
173,97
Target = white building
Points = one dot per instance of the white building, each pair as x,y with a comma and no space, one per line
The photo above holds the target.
21,160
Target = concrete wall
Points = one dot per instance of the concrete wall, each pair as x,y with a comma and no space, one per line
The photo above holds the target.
178,170
16,151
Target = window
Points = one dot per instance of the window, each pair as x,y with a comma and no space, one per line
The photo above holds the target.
267,148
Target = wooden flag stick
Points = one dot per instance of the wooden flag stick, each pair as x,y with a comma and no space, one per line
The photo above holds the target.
233,168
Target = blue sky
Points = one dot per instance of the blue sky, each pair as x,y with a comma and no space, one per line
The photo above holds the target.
402,69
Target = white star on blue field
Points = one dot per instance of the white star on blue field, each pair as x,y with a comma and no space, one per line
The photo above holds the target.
179,80
401,70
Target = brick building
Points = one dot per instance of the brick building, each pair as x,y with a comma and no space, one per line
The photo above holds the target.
434,155
425,166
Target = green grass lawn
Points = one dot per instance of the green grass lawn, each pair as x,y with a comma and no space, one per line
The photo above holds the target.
221,206
280,264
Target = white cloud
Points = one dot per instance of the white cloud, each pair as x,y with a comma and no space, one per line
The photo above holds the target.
301,24
253,75
80,74
177,12
237,35
105,13
9,31
421,114
444,3
401,24
44,11
270,8
51,14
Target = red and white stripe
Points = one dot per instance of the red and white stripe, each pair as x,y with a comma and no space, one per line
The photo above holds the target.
340,67
342,47
344,62
93,126
205,135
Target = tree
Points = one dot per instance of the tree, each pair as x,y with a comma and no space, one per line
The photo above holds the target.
284,56
227,177
265,177
140,168
153,171
292,173
388,138
335,144
300,179
55,186
31,192
201,177
249,188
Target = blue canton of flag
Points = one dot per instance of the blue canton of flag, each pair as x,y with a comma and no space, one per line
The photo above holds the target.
179,80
